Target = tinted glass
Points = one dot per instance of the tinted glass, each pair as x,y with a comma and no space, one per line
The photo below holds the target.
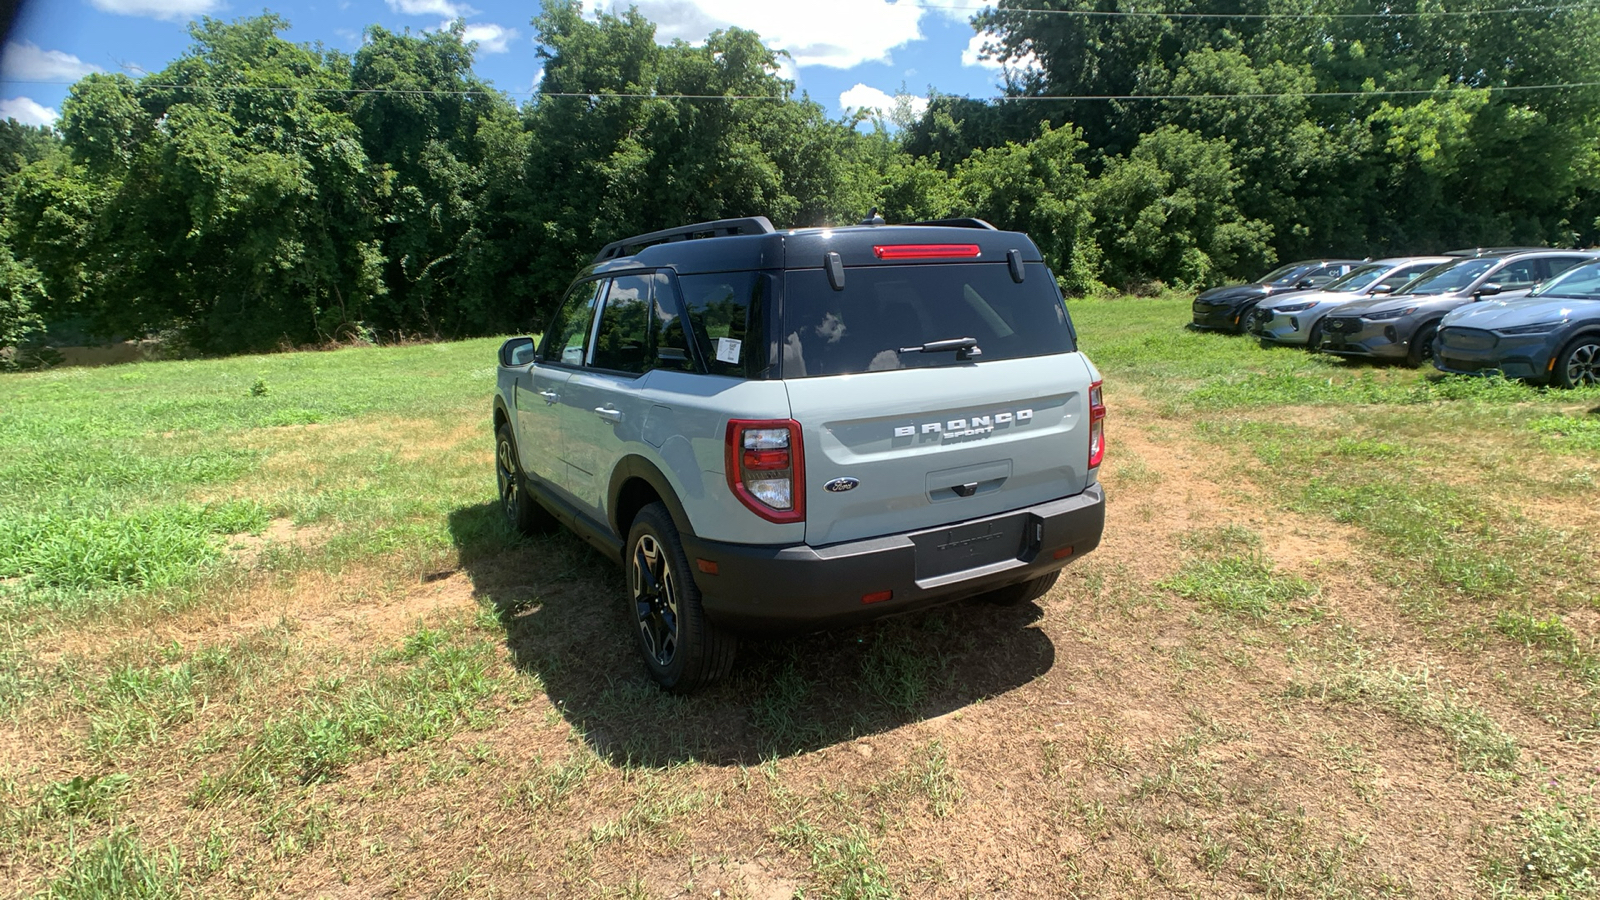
1582,283
619,342
1402,276
568,334
672,350
1520,274
884,311
724,311
1291,272
1358,278
1447,278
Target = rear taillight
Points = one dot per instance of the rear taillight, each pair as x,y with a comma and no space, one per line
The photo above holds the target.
1097,425
766,468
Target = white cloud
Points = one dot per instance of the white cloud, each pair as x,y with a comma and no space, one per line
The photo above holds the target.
879,104
975,55
431,8
27,112
27,61
835,33
490,38
157,9
964,10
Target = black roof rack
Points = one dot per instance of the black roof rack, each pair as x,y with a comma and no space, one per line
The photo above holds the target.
958,223
719,228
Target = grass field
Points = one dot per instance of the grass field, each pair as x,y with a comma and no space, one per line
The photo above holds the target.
263,631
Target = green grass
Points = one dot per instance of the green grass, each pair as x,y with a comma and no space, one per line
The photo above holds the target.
1245,586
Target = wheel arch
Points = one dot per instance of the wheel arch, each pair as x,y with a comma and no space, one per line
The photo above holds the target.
636,482
502,416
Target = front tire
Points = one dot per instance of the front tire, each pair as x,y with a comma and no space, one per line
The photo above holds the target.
522,512
1314,338
1421,350
681,648
1578,364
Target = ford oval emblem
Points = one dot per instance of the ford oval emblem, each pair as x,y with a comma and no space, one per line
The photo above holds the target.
840,485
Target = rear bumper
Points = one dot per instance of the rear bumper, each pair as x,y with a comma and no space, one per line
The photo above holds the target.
798,587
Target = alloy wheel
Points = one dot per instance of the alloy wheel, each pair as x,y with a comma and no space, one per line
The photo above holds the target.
1583,365
655,599
505,470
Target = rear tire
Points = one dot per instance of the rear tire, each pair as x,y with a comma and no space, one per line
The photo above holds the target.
1023,592
681,648
1422,345
522,512
1578,364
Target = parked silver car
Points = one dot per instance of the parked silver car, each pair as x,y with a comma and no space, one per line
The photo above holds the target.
1297,318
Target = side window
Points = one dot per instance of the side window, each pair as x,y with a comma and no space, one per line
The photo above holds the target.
720,313
1402,275
619,342
568,334
670,339
1520,274
1555,265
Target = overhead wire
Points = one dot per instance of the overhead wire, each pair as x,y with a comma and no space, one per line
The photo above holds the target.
1141,13
624,95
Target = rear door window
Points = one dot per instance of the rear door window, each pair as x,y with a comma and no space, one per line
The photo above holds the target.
885,314
619,343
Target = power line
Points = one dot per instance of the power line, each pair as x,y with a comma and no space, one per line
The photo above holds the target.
1140,13
1021,98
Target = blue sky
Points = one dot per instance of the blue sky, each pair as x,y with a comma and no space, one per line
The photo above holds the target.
846,53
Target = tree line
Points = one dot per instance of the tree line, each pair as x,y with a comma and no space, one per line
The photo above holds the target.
259,193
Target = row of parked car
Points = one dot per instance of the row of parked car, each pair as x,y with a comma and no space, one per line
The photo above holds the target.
1527,313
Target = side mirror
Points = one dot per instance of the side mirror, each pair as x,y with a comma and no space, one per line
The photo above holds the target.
1382,289
1487,290
1304,283
516,352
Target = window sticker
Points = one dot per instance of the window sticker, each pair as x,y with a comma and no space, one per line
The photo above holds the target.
728,350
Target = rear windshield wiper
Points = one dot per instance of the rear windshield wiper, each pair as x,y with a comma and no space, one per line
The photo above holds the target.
965,347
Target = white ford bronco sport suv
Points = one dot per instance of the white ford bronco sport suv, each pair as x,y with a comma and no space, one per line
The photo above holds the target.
785,430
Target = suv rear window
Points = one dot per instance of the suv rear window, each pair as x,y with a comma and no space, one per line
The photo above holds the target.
883,310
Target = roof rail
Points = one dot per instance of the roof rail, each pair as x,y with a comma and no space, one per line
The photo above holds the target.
958,223
719,228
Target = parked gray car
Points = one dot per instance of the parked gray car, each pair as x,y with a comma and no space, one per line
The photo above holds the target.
1297,318
1551,335
1401,326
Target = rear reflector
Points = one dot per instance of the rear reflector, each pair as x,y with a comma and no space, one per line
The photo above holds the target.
877,596
1063,553
708,566
1097,425
925,251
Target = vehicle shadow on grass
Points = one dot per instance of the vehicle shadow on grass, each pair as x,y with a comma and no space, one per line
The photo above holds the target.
562,608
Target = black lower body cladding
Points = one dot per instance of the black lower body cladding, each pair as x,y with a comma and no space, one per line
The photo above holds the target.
765,589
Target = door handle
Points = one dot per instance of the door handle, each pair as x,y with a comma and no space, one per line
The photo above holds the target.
610,415
549,397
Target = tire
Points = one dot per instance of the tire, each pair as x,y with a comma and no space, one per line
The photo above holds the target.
1022,592
681,648
1244,319
1578,364
522,512
1422,345
1314,338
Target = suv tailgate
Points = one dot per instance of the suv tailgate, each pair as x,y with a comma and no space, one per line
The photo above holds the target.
934,446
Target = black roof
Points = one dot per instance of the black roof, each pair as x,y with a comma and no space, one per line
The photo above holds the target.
724,247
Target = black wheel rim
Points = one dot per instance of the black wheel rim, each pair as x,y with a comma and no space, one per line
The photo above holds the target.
505,470
655,599
1583,365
